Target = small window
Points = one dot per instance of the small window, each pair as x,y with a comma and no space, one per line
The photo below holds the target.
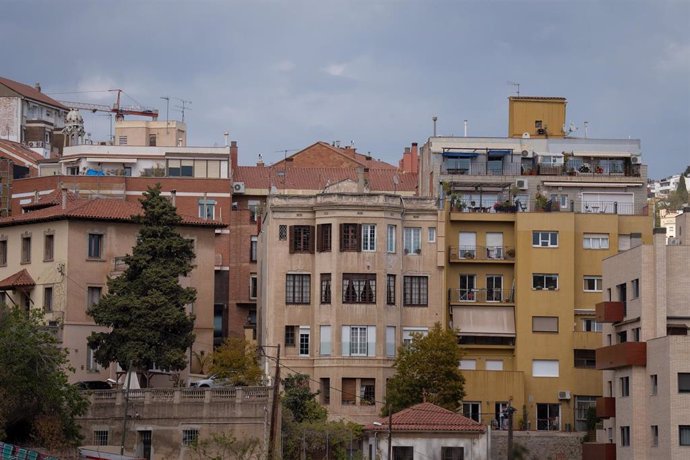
122,140
253,286
152,140
545,368
26,250
253,247
468,364
253,206
95,245
408,333
592,284
325,334
545,239
350,237
390,290
545,281
297,288
325,296
635,287
655,435
48,299
207,209
412,237
684,382
390,239
494,364
304,341
359,288
100,437
190,437
545,324
282,232
301,239
624,386
403,453
91,363
48,247
653,384
3,253
368,237
452,453
585,359
93,295
325,391
595,241
432,234
390,341
415,291
290,336
324,237
590,325
625,436
367,392
472,410
684,435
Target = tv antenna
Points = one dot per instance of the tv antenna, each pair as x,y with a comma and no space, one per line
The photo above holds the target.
516,85
184,105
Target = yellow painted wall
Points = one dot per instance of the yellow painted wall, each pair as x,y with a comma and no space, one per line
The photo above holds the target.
524,111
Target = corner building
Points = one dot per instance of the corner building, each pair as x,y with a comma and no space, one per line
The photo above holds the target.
345,279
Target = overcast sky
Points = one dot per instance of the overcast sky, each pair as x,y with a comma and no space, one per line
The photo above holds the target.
280,75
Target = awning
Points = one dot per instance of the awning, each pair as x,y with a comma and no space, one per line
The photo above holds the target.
594,184
21,279
451,154
499,153
485,321
603,154
111,160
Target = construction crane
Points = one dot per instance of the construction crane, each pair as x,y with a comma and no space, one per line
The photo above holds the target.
119,110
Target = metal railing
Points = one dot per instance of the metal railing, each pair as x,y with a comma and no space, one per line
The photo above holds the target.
181,395
482,169
481,295
481,253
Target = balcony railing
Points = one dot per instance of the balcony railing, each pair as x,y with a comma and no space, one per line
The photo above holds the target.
622,355
481,295
610,312
482,169
483,253
587,167
606,407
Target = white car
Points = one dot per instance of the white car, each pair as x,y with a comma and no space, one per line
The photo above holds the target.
210,382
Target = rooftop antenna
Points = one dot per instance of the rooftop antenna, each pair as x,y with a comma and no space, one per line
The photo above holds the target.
517,86
434,119
167,111
586,124
184,105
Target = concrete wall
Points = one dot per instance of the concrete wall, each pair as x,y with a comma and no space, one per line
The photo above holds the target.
429,445
539,445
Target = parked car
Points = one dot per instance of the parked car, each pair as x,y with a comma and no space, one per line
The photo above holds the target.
210,382
93,385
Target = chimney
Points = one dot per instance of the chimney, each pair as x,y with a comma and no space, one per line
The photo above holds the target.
658,237
233,156
37,87
465,123
414,158
64,197
360,180
173,195
260,161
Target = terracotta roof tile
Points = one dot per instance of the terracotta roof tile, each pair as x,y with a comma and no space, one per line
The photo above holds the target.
51,199
427,417
350,154
30,92
19,153
19,279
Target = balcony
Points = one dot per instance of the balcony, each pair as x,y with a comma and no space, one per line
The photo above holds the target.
606,407
461,296
493,254
610,312
598,451
622,355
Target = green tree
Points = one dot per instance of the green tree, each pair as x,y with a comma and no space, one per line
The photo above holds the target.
145,306
299,401
682,191
37,404
427,370
224,446
236,361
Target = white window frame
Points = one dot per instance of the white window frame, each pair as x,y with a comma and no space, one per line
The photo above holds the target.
210,206
303,332
390,240
432,234
408,331
494,364
91,363
358,340
368,237
544,275
595,241
351,348
412,240
594,326
597,283
467,364
544,239
549,368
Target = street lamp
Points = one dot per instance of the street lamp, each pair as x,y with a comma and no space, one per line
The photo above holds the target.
376,446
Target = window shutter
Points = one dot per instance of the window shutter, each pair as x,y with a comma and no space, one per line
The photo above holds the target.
312,238
342,237
345,340
390,341
358,238
371,340
319,236
291,238
325,340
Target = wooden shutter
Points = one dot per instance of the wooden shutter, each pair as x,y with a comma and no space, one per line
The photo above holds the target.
312,238
358,238
319,236
291,239
342,237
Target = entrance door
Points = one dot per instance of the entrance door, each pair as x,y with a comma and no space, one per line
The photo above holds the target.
144,447
468,285
501,417
549,417
494,288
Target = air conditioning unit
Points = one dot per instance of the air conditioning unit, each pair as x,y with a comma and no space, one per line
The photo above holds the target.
564,395
521,184
541,131
238,187
636,160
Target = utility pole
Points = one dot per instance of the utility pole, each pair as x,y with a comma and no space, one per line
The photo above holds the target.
390,433
167,109
509,411
274,409
124,417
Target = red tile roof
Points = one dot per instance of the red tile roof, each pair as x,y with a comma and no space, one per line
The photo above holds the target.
19,279
97,209
348,153
19,154
51,199
303,178
30,92
427,417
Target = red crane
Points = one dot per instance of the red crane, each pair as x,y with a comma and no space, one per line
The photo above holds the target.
119,110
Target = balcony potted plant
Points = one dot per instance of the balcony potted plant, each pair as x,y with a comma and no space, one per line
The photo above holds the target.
510,253
540,202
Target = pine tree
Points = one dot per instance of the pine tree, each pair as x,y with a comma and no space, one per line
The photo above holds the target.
145,306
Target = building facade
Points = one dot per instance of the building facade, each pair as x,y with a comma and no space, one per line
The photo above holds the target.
645,355
359,274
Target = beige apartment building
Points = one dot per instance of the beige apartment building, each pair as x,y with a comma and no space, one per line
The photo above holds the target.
345,278
58,258
646,351
170,133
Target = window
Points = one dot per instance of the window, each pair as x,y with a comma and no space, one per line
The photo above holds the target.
390,239
297,288
3,253
432,234
349,237
653,385
48,247
585,359
290,336
253,208
253,285
122,140
592,284
324,234
207,209
468,283
325,296
93,295
545,281
368,237
390,289
582,406
590,325
358,340
359,288
95,245
26,250
624,386
625,436
684,435
408,334
100,437
636,334
152,140
655,435
595,241
683,382
545,368
301,238
468,364
349,391
548,417
624,242
545,239
494,288
452,453
403,453
325,391
325,345
494,364
304,340
189,437
253,246
390,341
635,288
367,392
412,240
415,291
622,336
282,232
181,168
545,324
91,363
472,410
48,299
